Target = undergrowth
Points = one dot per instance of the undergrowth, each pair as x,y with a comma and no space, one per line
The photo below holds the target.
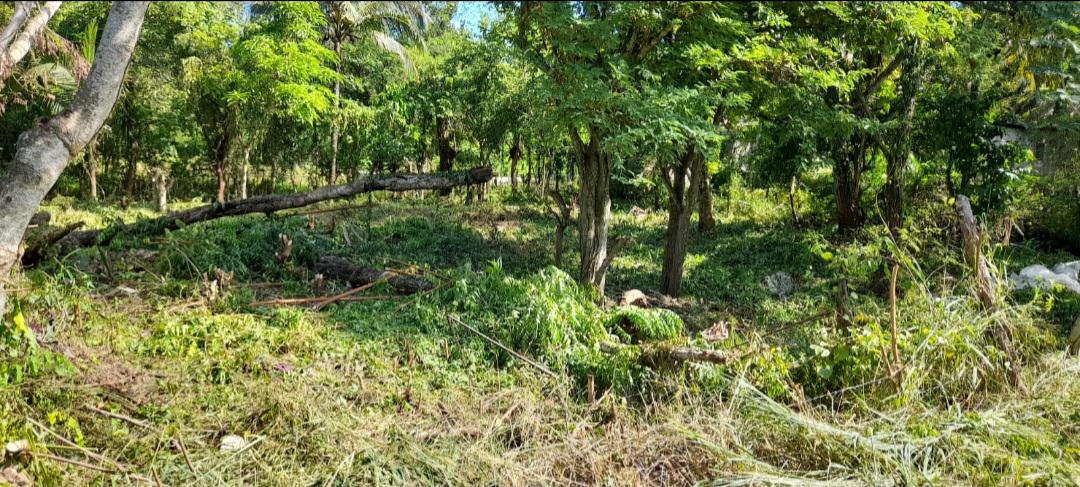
146,363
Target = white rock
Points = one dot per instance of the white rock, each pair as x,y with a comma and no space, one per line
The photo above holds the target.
16,448
1038,276
1071,269
780,284
232,443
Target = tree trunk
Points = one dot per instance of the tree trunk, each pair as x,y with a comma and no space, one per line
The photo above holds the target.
847,176
273,175
18,18
684,185
336,132
19,35
44,151
271,203
447,153
706,220
132,159
244,174
161,178
900,149
91,168
794,188
594,214
221,182
515,156
971,243
528,167
341,269
563,218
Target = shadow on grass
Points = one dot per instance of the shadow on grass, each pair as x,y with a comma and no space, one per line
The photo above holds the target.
725,267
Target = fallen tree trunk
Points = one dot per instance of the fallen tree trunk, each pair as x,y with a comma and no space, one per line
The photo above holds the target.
343,270
659,355
268,204
39,241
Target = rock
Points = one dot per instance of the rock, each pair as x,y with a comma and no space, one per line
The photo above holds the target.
1071,269
14,478
780,284
232,443
16,449
633,297
716,333
1039,277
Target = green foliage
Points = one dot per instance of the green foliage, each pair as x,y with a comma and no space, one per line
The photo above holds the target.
634,325
21,357
218,346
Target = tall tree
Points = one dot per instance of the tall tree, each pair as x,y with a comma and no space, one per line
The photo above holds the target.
588,52
378,22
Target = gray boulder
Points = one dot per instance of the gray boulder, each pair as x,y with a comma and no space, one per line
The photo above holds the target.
1071,269
780,284
1038,276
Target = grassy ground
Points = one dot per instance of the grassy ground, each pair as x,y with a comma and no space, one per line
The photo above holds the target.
147,363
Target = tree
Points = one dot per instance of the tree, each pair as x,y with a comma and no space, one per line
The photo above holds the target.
44,151
378,22
841,66
588,53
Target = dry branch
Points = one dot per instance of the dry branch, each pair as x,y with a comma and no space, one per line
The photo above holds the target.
972,240
269,204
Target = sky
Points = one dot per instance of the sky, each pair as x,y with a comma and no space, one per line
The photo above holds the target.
469,15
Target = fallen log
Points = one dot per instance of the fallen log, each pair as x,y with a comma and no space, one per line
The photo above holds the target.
658,355
38,242
343,270
268,204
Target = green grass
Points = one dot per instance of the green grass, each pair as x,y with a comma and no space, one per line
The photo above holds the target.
389,392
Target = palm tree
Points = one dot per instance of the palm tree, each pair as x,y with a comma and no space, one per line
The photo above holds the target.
380,22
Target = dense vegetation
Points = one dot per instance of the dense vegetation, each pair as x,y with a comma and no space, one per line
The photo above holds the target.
725,243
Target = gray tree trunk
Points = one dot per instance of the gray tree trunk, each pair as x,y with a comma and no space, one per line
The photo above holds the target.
161,180
43,152
18,18
594,214
19,34
270,203
92,170
684,186
336,132
244,174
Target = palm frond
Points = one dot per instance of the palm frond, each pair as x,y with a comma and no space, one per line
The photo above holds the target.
391,45
408,20
48,79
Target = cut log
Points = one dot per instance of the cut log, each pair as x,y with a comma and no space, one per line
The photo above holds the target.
343,270
658,355
268,204
39,241
40,218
